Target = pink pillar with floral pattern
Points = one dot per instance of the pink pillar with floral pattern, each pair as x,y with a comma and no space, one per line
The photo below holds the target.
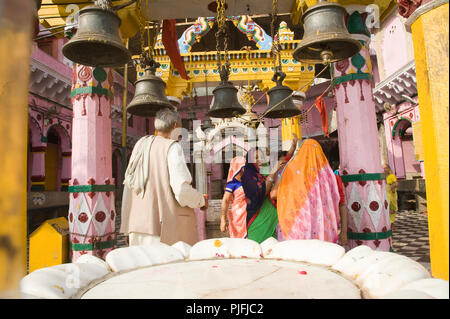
91,188
359,150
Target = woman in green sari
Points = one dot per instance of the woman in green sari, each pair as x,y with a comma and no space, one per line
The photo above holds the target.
262,216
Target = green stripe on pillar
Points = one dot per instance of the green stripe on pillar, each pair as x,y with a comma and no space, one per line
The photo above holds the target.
98,245
91,188
92,90
352,77
362,177
369,236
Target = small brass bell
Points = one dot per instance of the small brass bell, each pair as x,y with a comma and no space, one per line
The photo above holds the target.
149,96
226,103
97,42
326,38
281,104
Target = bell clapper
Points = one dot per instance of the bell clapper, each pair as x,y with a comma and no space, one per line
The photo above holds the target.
326,56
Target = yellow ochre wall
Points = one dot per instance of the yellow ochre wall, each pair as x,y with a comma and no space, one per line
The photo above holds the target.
16,25
430,36
288,126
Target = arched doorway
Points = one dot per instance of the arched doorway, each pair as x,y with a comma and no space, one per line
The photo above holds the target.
412,167
402,161
224,147
53,161
36,153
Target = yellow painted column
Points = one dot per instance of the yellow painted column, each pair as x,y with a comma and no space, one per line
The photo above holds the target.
289,126
430,27
16,24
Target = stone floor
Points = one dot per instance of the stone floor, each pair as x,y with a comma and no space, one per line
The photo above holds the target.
410,236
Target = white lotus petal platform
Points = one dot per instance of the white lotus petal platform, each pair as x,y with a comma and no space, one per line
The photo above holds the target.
226,268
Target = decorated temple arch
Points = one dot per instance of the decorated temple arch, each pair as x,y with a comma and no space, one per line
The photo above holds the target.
245,24
371,93
403,153
57,167
63,134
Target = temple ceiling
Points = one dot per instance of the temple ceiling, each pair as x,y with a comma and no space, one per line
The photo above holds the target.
56,13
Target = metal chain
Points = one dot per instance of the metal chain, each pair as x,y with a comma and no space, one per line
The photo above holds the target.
224,31
276,48
141,28
272,33
278,36
152,43
92,236
104,4
221,31
146,58
158,28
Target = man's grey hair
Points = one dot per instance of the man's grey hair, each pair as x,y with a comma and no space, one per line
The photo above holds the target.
165,120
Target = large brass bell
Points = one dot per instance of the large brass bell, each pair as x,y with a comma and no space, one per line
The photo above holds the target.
281,104
97,41
326,38
149,96
226,102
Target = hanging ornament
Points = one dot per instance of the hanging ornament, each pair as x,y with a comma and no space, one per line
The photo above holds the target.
226,103
280,103
149,96
326,38
97,42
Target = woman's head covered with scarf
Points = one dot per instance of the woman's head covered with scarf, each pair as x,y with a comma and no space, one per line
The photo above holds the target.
236,166
253,182
308,196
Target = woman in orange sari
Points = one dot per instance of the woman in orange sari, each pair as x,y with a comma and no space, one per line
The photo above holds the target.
234,194
308,196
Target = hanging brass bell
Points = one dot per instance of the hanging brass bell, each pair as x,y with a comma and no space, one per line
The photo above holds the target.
149,96
326,38
280,103
226,103
97,42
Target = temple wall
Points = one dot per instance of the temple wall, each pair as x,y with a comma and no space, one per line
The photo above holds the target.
393,45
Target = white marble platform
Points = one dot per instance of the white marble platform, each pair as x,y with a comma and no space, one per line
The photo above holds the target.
240,269
227,278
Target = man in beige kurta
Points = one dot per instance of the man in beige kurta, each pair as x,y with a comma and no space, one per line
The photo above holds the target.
158,201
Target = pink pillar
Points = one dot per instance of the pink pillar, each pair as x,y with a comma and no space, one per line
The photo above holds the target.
91,188
361,169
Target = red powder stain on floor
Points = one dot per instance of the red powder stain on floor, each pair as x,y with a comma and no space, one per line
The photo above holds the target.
302,272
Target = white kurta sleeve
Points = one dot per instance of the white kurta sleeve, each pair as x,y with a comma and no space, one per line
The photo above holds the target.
181,179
